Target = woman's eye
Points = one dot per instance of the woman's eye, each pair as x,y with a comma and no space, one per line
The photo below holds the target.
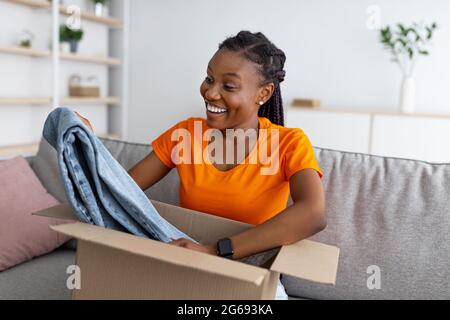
228,87
208,80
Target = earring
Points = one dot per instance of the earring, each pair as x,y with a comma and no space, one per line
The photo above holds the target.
261,103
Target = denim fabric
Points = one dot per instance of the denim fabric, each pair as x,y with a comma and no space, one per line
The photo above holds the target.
98,188
281,292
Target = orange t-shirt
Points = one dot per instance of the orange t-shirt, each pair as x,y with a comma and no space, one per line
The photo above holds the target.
243,193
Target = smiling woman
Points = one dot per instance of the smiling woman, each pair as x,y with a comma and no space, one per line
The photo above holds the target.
241,91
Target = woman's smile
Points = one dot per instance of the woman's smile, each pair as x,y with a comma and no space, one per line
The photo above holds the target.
214,110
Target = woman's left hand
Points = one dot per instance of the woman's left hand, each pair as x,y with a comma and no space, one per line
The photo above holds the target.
194,246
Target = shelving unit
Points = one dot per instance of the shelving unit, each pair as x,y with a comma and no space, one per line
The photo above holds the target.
113,104
45,101
40,4
108,21
64,56
36,4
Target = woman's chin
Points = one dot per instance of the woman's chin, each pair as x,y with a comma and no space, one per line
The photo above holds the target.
215,120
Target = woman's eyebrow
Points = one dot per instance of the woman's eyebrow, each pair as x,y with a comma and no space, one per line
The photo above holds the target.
232,74
228,73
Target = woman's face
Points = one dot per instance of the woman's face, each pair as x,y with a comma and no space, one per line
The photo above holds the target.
232,88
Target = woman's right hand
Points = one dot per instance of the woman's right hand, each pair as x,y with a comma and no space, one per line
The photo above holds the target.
85,121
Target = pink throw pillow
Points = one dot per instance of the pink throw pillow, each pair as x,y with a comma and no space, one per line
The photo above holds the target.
22,235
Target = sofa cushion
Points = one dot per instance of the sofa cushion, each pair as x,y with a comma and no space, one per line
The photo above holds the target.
389,215
43,278
45,166
23,236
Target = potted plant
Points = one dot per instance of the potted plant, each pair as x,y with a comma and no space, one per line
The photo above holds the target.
71,36
406,44
100,7
26,39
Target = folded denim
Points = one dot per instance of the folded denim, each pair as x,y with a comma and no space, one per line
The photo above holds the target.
98,188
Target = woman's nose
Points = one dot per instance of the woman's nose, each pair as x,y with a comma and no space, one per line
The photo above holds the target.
212,93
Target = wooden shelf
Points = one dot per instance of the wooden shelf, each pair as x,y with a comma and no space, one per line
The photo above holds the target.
37,4
22,101
88,100
88,16
46,101
369,112
64,56
90,59
24,51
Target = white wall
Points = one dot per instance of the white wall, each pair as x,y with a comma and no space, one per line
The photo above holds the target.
331,54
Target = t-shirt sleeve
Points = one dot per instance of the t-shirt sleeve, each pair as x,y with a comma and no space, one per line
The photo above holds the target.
163,144
299,155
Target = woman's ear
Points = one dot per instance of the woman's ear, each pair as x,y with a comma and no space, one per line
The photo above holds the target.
265,92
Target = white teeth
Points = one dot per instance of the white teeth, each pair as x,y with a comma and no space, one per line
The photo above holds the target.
215,109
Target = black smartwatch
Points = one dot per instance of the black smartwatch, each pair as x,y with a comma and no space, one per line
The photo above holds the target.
225,248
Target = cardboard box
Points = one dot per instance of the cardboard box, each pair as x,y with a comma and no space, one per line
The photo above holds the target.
118,265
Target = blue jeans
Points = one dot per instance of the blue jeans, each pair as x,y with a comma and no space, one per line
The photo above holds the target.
98,188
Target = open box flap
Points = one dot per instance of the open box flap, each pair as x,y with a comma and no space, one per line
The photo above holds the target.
60,211
164,252
203,227
308,260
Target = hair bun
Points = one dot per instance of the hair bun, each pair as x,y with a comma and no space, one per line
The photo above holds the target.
280,75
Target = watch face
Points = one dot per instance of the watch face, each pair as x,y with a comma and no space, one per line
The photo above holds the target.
225,248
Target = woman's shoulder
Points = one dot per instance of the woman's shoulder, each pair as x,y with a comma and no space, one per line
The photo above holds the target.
285,133
188,123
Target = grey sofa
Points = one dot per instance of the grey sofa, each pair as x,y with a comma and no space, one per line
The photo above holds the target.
390,217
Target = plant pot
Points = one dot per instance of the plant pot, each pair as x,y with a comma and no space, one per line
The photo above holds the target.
73,46
64,47
100,10
407,95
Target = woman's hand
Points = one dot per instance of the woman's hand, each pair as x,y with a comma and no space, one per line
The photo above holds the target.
85,121
211,249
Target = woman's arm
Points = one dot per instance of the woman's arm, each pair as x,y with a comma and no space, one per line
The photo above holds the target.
299,221
148,171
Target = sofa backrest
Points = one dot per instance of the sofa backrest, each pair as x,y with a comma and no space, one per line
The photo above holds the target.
390,217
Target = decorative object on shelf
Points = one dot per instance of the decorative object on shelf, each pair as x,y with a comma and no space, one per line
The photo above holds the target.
310,103
83,87
101,8
26,39
406,44
71,36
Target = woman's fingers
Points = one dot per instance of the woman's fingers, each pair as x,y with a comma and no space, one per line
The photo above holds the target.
85,121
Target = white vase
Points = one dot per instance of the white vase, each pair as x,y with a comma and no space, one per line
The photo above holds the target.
101,10
407,95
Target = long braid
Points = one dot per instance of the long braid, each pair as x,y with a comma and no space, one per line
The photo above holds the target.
257,48
273,109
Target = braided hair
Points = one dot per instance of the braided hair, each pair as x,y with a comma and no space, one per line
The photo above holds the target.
257,48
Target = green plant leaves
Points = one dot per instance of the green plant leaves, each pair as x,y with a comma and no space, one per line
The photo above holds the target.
407,40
